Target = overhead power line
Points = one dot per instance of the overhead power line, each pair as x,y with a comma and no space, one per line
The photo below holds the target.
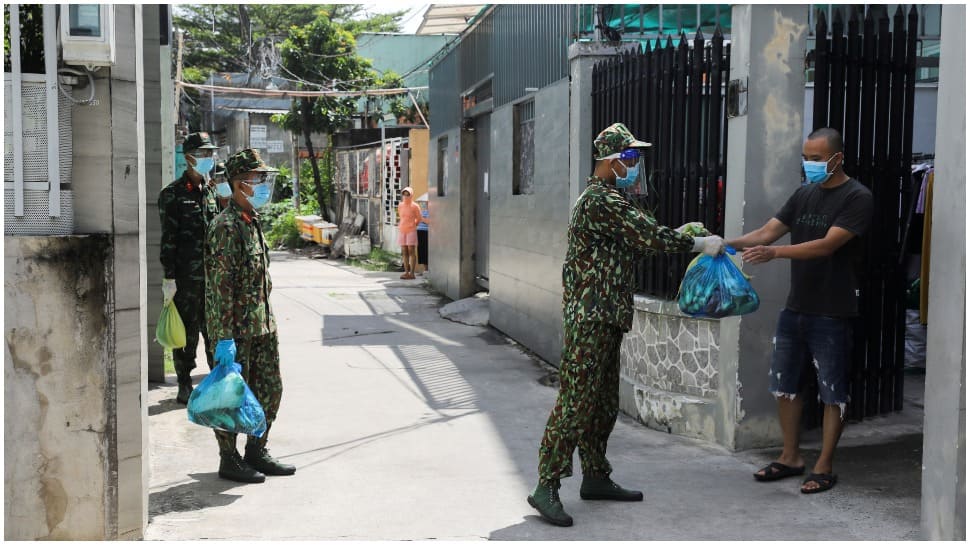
273,93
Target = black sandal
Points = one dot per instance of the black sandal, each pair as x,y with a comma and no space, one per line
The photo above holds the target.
775,471
825,482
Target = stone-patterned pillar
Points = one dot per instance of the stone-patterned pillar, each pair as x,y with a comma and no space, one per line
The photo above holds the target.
670,375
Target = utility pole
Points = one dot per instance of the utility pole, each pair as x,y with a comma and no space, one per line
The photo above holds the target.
178,78
294,161
212,103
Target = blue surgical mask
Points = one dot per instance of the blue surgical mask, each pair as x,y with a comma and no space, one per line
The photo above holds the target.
630,178
223,190
204,165
817,171
262,193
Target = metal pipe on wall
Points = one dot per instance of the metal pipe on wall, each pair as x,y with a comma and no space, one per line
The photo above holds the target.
53,112
17,111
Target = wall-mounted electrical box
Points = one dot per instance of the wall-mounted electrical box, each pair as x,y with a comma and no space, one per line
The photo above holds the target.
87,34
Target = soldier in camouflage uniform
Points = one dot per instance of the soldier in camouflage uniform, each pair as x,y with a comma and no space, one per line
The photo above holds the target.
238,313
186,206
221,185
606,236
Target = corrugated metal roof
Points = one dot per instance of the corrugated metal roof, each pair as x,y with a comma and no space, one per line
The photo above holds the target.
448,18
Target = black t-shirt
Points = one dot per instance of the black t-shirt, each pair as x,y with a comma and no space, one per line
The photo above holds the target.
827,285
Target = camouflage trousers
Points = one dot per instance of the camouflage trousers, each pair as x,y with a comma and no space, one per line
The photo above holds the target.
190,306
588,402
260,360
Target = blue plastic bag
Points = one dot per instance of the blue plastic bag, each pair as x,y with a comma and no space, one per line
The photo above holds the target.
224,401
714,287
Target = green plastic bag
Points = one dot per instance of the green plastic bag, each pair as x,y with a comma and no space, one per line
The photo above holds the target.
170,331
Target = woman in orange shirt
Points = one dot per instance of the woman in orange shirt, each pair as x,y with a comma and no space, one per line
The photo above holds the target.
407,237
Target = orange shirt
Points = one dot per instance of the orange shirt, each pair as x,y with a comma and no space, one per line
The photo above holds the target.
410,217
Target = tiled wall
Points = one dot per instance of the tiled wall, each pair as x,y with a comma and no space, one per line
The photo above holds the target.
673,353
670,377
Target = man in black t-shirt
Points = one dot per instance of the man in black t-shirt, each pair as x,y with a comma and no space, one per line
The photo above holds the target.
826,217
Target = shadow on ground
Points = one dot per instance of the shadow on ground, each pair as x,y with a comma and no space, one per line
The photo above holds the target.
168,403
207,490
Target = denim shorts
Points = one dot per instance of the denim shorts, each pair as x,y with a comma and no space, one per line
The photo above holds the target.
824,341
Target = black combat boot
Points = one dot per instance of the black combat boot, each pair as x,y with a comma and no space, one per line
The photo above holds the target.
234,468
601,487
259,458
185,390
545,498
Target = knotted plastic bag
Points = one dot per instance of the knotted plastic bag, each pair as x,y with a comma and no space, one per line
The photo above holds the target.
170,331
714,287
224,401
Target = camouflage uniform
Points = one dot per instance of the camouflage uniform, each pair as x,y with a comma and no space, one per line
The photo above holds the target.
185,211
237,301
606,236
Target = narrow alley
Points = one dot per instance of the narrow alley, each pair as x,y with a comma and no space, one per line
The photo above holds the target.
404,425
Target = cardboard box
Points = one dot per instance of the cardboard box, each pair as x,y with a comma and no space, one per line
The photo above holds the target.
305,225
324,233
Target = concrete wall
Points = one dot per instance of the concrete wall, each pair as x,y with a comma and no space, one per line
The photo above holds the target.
159,172
453,272
764,158
528,232
59,371
945,423
110,184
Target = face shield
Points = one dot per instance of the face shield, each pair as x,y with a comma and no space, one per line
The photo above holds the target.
263,185
629,177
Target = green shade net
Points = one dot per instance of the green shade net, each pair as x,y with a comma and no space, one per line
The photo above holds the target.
655,19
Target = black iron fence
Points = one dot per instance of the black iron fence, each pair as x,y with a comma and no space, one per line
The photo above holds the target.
865,80
673,97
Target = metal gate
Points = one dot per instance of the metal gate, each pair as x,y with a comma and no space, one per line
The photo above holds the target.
865,81
672,97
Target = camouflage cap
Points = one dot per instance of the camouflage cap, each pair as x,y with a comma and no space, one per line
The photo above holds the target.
614,139
197,140
243,161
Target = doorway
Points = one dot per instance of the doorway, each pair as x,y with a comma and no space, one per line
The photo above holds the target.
482,211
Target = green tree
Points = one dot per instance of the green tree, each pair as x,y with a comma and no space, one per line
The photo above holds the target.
232,38
316,46
31,39
323,51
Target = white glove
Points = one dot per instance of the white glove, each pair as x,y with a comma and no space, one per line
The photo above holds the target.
712,245
168,289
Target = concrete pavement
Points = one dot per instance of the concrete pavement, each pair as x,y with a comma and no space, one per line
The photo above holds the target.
404,425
